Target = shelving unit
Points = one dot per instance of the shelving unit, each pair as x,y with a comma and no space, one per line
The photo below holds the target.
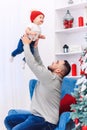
74,37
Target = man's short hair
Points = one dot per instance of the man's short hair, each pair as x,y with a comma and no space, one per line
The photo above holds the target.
68,67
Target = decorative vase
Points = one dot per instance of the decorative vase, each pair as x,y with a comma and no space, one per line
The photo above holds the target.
84,127
68,20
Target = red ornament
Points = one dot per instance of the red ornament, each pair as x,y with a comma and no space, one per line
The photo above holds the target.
81,72
84,127
76,121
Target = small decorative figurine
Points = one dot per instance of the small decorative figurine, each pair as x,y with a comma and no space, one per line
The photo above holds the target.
68,20
65,48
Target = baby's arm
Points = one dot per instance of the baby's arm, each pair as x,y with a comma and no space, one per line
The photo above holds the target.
41,36
29,32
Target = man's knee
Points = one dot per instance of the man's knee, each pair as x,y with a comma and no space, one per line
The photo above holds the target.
7,122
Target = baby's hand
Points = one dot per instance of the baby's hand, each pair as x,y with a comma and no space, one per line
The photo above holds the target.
29,32
41,37
33,33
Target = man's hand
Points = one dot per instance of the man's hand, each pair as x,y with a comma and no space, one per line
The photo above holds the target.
29,32
26,40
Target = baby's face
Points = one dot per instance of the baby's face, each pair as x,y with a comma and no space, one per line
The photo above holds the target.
39,19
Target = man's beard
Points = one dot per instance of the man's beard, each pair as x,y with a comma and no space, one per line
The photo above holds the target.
50,69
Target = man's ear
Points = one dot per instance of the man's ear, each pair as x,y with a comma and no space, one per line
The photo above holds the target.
58,70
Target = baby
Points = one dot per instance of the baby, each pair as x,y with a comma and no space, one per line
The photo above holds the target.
33,32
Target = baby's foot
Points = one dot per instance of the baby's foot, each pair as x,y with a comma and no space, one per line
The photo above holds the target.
23,65
11,59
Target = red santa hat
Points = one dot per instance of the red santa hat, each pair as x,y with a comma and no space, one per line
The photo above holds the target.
34,14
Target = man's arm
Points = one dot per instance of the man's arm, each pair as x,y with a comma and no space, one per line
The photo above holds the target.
37,68
33,60
36,52
37,56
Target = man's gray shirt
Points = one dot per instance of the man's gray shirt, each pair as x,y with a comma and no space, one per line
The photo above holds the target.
46,96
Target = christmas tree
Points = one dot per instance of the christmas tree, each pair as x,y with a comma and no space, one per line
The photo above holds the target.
79,110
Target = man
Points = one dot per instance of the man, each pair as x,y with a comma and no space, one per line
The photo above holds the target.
46,98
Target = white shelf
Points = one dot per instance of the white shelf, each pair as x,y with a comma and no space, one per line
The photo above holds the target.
73,6
69,30
68,54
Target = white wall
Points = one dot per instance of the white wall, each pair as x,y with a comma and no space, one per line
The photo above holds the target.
14,18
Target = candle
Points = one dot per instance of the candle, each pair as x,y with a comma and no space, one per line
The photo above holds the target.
80,21
74,70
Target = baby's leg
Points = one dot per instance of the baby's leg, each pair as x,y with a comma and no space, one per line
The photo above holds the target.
32,50
32,46
19,49
23,63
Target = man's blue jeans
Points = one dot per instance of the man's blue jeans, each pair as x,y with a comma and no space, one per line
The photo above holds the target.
27,122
